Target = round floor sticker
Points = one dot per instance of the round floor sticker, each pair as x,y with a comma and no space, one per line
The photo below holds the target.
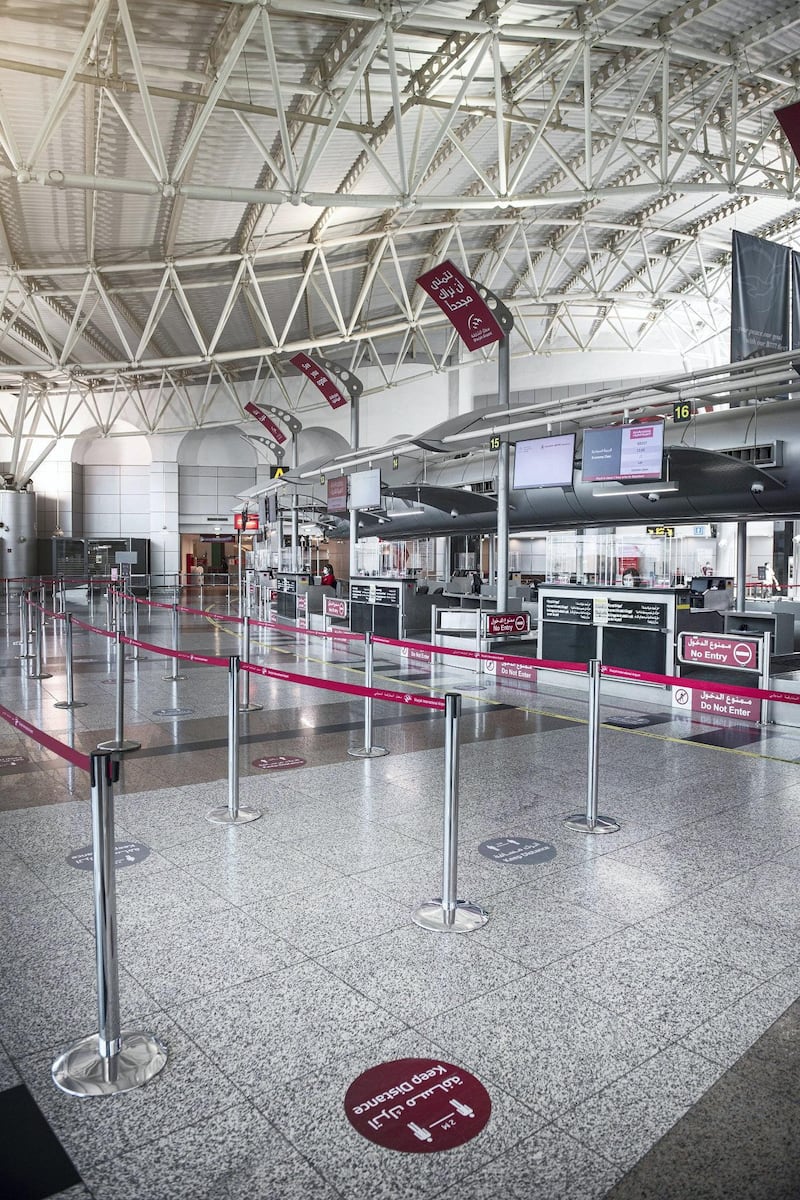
417,1105
518,851
125,855
278,762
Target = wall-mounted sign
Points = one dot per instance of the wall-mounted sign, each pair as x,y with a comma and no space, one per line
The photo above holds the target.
250,524
720,650
506,623
313,371
458,298
417,1105
665,531
266,421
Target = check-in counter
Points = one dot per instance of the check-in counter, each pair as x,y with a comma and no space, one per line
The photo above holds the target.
635,629
392,608
291,600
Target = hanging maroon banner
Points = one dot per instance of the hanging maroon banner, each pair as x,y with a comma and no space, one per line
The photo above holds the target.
458,299
789,118
267,422
315,373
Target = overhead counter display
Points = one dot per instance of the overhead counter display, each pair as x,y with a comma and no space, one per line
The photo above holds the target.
636,632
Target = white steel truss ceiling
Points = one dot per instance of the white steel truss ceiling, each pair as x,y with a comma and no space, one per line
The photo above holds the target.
191,192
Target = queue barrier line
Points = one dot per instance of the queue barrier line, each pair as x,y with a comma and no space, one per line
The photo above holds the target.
45,739
700,685
435,703
208,660
111,1060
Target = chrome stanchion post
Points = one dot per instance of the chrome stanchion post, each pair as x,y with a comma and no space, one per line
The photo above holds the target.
110,623
368,750
174,677
135,611
119,743
246,704
24,632
38,671
590,822
448,914
232,813
70,701
766,651
111,1060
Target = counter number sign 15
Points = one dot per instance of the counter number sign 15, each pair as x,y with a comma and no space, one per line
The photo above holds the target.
683,411
494,442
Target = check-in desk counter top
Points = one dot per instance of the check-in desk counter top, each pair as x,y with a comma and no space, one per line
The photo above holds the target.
467,628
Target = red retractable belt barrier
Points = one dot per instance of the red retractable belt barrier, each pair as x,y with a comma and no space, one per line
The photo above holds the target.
208,660
701,685
44,739
352,689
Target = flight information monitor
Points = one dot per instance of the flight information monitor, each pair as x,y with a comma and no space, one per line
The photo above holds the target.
623,452
544,462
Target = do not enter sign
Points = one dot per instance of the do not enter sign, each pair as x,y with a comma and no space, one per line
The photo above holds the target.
417,1105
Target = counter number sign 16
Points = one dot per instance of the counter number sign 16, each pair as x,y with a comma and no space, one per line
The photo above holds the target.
683,411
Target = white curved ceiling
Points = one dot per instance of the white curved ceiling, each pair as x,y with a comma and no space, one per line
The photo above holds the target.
192,192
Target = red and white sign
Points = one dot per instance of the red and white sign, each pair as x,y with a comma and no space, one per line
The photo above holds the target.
320,379
266,421
503,623
417,1105
789,119
508,670
717,704
278,762
333,607
414,654
458,299
720,650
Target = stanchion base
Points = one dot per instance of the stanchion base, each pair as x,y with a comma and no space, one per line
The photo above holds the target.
41,675
222,816
251,707
466,917
71,704
372,752
119,747
580,823
81,1071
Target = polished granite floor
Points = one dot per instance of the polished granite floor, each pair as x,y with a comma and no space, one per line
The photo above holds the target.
627,1005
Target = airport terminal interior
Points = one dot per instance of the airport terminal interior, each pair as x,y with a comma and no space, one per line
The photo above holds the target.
399,626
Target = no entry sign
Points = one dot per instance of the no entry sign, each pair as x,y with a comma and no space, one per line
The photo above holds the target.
417,1105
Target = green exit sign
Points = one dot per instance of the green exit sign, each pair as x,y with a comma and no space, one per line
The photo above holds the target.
683,411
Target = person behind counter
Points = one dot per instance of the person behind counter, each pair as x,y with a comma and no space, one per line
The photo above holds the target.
327,579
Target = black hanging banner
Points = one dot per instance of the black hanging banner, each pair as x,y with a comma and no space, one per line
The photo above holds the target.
795,301
759,297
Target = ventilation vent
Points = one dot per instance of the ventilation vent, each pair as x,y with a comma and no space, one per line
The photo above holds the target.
768,454
484,485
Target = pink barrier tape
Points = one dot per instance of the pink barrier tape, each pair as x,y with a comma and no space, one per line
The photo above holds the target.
701,685
44,739
106,633
351,689
207,660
